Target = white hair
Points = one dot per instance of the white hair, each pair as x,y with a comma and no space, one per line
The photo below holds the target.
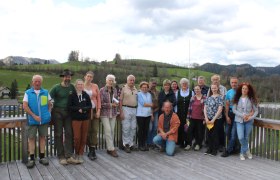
37,76
110,77
184,80
130,76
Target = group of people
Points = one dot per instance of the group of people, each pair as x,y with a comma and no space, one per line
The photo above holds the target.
174,115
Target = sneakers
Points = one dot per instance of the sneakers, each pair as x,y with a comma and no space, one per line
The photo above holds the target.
72,160
30,164
187,148
80,159
63,161
113,153
208,152
242,157
197,147
44,161
249,155
127,148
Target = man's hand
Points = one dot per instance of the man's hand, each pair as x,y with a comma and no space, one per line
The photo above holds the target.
37,118
163,135
228,120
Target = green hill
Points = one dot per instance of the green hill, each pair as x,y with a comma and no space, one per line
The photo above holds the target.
142,69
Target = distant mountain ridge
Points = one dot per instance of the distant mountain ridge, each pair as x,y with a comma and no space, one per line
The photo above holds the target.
240,70
12,60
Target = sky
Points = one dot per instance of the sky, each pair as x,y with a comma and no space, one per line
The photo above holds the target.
179,32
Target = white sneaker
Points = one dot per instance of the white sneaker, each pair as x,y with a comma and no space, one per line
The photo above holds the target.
242,158
196,148
249,155
80,159
72,160
188,147
63,161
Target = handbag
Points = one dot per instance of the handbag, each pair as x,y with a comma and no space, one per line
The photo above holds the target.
186,126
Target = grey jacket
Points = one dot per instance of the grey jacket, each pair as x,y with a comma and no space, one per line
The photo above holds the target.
239,111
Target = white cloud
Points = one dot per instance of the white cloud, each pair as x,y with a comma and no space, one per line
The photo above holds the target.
220,31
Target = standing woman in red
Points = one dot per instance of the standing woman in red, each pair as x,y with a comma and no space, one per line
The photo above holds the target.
245,109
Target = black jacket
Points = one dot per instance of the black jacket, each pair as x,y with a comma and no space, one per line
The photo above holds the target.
74,104
162,97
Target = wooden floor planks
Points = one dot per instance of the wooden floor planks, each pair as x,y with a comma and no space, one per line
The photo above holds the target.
147,165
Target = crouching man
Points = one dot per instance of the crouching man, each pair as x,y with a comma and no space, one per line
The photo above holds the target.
168,125
36,103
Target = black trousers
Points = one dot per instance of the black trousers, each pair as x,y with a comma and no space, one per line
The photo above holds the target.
213,141
143,128
195,131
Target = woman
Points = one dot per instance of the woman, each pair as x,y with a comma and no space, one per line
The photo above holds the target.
175,89
143,115
166,94
93,91
79,105
196,118
109,104
183,100
245,108
213,113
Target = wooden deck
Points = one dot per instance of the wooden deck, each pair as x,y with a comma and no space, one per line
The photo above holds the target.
148,165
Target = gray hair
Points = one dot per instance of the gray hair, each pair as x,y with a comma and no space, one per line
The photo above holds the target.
201,77
37,76
110,77
130,76
184,80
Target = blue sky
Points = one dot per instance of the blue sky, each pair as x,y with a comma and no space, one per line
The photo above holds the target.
218,31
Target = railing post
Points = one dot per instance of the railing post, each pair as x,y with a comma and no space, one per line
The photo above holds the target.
24,142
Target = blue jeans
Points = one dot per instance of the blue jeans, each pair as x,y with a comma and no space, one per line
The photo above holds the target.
243,131
231,133
153,128
167,144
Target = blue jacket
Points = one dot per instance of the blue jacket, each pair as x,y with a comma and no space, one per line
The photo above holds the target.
39,106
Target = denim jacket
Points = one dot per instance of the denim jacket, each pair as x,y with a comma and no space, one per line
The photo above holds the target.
240,111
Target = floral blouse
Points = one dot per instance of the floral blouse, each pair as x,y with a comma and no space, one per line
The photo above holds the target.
212,106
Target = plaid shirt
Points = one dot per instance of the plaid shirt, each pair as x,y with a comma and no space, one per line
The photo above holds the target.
203,98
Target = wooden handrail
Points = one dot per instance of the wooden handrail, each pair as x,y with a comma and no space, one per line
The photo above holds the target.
18,122
267,123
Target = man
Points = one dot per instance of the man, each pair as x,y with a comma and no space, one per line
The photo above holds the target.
168,125
201,83
231,133
37,104
62,119
154,122
128,104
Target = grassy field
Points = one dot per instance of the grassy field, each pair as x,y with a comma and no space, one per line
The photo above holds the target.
50,72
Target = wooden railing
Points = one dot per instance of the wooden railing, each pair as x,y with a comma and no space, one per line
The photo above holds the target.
264,139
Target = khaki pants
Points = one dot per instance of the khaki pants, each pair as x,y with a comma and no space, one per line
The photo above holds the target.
109,128
93,127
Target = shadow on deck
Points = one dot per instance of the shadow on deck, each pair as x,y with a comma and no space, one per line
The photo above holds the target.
148,165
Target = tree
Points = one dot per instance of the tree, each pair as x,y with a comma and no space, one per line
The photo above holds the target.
155,71
117,58
28,87
73,56
14,89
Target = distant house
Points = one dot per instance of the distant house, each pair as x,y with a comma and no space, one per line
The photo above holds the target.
5,92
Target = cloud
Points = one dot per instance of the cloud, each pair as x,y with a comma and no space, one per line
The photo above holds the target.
221,31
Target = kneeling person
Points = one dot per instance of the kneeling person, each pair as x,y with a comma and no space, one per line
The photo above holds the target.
36,103
168,125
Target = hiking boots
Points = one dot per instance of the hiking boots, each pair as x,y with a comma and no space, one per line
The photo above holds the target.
92,154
